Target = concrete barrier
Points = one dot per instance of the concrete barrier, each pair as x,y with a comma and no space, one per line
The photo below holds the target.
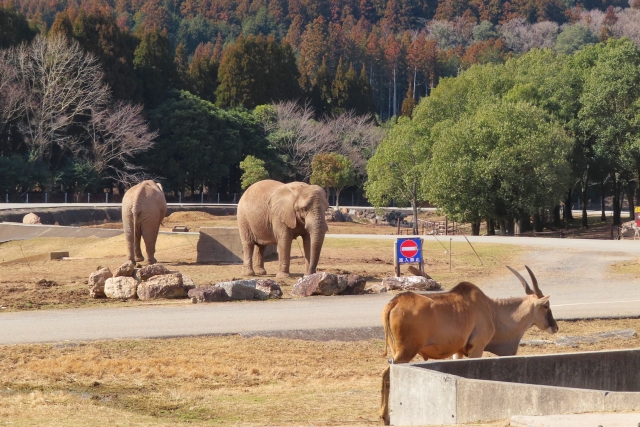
19,231
222,245
471,390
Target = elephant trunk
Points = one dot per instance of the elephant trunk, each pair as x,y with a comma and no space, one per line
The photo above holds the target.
317,238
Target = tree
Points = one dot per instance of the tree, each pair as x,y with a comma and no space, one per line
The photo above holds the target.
331,170
154,66
504,161
14,28
202,74
573,38
397,170
257,71
254,171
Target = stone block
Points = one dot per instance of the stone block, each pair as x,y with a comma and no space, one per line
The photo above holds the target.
222,245
120,287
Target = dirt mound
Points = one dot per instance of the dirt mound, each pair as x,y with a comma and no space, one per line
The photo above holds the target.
192,216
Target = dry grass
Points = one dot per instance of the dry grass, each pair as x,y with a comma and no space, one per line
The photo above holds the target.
213,381
369,258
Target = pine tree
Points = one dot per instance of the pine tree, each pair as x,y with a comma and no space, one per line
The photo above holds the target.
365,98
340,90
321,95
202,74
180,62
61,25
408,104
154,66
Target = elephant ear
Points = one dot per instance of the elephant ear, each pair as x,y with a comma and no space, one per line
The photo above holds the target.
282,203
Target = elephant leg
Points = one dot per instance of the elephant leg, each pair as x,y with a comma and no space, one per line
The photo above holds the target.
129,234
150,235
247,254
284,257
258,260
306,243
137,235
385,388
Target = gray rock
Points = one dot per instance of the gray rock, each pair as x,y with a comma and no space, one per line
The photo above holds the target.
355,285
208,294
96,282
338,216
410,283
618,333
165,286
378,289
575,341
187,283
318,284
269,287
149,271
31,218
534,343
241,290
125,270
120,287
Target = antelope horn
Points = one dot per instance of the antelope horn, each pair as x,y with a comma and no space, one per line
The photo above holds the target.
527,289
534,282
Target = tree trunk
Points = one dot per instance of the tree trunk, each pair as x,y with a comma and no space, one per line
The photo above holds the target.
630,194
616,199
395,103
510,227
336,192
556,216
568,215
414,206
491,227
583,201
537,222
524,223
603,216
475,228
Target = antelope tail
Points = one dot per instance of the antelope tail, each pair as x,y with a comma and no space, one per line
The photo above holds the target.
388,336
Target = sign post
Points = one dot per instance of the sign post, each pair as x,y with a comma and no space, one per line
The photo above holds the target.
408,251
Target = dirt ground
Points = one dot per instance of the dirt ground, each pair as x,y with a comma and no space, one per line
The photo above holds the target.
371,259
226,380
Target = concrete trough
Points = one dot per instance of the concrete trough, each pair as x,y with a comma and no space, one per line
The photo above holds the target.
495,388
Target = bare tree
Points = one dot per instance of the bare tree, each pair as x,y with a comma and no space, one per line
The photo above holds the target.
521,36
62,83
117,135
10,93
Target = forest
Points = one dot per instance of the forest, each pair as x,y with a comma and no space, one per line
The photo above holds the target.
183,91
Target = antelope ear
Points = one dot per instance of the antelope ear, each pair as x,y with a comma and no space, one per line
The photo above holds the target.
543,300
282,203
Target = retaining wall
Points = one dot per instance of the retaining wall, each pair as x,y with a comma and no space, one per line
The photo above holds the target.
468,390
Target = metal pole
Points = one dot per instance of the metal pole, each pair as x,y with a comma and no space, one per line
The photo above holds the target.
46,197
6,198
106,197
218,198
88,197
450,239
28,202
202,196
179,197
65,197
234,197
352,202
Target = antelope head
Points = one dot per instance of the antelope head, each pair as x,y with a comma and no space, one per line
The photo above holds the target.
542,316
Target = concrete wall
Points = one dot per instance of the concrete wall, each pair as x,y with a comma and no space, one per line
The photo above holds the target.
90,215
222,245
462,391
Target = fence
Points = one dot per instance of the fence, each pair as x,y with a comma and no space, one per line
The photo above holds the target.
95,198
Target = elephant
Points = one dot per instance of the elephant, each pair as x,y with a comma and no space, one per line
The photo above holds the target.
143,209
271,212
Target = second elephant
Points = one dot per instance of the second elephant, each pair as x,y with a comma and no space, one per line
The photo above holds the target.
271,212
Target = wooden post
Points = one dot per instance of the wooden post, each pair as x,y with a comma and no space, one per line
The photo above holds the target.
421,263
446,225
398,222
395,258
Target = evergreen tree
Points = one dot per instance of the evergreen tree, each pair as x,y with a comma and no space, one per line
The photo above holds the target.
14,28
180,62
340,90
154,66
321,93
202,74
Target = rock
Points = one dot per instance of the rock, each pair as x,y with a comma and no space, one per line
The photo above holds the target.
164,286
96,282
378,289
629,229
242,290
574,341
31,218
355,285
149,271
318,284
46,283
344,210
125,270
269,287
535,343
392,217
338,216
121,287
410,283
208,294
187,283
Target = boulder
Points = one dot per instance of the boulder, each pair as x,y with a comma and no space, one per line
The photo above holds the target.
149,271
165,286
338,216
318,284
378,289
628,229
120,287
96,282
187,283
125,270
31,218
208,294
410,283
355,285
269,287
242,290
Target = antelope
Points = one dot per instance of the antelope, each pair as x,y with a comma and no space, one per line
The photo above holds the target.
460,322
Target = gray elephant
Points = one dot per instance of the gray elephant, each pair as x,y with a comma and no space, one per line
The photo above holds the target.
143,209
271,212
